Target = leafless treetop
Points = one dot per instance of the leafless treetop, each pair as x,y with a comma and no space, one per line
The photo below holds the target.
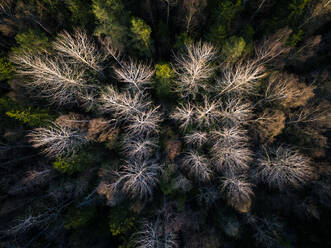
79,47
194,67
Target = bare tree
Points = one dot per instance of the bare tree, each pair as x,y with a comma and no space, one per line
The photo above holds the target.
60,82
196,138
317,114
41,220
197,165
268,231
208,113
231,158
149,237
278,89
57,140
144,123
233,136
193,68
287,90
272,47
123,105
138,178
37,177
240,78
282,167
153,236
79,48
138,148
235,112
238,192
135,73
185,115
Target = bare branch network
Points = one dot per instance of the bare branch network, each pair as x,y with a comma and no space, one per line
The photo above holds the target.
57,140
282,167
194,68
208,119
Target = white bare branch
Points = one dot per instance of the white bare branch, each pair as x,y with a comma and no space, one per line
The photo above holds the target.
234,136
282,167
230,151
60,82
79,48
138,148
240,78
194,68
208,113
135,73
144,123
185,115
149,237
139,178
196,138
278,89
198,166
238,192
235,112
123,105
272,46
57,140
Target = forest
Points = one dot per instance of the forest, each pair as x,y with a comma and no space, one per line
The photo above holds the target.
165,123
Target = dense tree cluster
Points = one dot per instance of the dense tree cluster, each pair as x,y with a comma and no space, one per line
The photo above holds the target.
166,123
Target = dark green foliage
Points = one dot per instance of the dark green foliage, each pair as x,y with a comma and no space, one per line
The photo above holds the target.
29,116
295,38
77,217
81,12
288,13
233,49
32,40
77,163
113,20
33,117
183,40
223,15
296,9
121,221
